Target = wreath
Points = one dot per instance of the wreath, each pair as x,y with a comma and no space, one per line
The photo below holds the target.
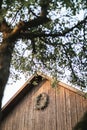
41,101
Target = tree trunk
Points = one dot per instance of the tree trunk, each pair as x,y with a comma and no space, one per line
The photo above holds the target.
6,49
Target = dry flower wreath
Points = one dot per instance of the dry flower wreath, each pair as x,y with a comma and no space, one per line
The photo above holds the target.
41,101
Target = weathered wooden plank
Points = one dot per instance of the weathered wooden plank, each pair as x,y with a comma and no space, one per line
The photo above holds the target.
79,102
84,104
52,109
29,121
50,117
63,108
73,107
68,109
39,118
60,108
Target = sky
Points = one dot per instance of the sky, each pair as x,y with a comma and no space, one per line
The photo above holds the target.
11,89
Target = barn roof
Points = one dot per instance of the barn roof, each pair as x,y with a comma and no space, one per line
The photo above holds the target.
35,80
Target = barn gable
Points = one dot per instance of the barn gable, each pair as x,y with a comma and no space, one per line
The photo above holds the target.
65,107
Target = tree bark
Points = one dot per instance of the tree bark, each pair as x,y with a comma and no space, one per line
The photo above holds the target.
6,49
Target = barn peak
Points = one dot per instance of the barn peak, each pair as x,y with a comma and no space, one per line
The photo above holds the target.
29,85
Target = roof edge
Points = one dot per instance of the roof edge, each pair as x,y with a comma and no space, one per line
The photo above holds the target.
22,87
63,84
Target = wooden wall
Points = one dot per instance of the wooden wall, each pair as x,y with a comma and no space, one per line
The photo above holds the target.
65,108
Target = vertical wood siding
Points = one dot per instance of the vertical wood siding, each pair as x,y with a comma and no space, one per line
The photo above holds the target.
64,110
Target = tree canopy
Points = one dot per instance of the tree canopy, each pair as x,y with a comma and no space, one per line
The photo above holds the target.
49,36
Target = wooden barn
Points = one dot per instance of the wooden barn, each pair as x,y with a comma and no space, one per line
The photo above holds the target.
40,106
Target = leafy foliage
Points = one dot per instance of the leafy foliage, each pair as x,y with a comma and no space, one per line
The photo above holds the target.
51,54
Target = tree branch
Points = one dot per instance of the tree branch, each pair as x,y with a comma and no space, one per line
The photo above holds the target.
75,76
36,22
9,33
28,34
44,7
1,1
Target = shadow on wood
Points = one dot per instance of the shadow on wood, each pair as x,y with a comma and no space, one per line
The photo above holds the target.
82,124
